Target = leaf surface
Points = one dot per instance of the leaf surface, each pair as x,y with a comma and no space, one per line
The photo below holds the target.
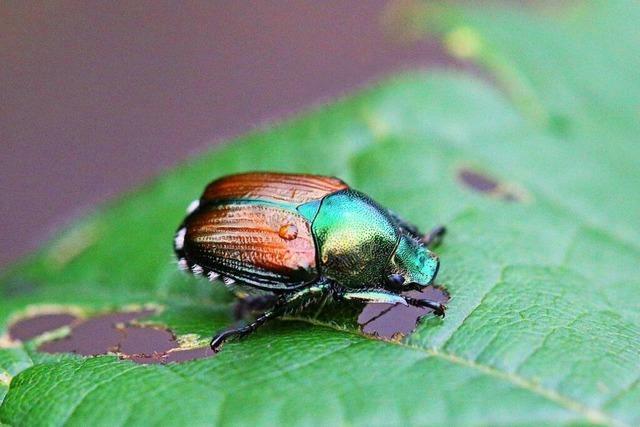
544,323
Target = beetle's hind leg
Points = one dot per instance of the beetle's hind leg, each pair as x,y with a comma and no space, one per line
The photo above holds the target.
281,306
220,338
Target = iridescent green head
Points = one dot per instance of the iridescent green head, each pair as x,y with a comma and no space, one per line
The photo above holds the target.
413,264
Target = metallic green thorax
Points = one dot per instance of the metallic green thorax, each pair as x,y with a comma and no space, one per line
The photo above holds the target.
355,239
359,244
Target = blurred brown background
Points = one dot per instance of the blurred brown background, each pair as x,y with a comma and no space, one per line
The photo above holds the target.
97,97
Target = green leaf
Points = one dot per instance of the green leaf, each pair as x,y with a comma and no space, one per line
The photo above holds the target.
544,322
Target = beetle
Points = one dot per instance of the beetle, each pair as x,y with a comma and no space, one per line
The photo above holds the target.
290,239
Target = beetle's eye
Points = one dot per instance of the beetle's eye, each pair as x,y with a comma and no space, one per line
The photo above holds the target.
396,279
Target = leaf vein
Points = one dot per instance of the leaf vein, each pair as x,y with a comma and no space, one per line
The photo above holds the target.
90,390
591,414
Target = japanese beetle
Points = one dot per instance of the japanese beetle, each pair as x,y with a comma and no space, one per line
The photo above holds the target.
291,238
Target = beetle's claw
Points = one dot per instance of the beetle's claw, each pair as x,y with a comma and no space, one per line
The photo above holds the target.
216,344
440,310
218,341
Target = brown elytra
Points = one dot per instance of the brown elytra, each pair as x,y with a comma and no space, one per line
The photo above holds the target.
278,187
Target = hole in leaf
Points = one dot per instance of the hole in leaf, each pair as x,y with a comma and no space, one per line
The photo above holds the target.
173,356
115,333
146,340
477,181
104,334
395,321
31,327
487,185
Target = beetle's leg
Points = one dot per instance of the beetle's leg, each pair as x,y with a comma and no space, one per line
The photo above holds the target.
434,237
437,307
323,302
220,338
281,306
383,297
252,305
374,296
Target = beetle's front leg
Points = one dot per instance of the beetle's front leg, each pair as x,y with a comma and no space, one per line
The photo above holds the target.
438,308
384,297
279,308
